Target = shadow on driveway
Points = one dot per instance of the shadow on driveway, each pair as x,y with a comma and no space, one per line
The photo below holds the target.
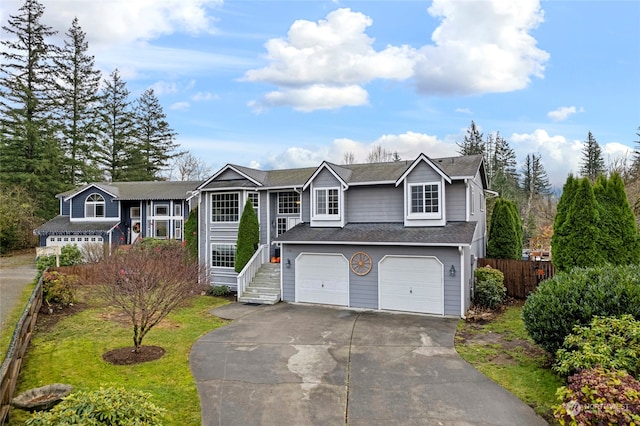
311,365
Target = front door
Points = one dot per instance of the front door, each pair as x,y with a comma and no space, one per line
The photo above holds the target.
136,224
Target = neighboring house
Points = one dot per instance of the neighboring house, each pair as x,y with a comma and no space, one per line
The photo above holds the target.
400,236
119,213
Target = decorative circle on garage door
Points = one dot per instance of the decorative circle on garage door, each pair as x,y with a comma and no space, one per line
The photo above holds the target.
361,263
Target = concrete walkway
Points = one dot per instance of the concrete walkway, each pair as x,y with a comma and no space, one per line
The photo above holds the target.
310,365
14,276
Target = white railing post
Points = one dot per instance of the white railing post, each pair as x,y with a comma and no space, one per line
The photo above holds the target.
245,276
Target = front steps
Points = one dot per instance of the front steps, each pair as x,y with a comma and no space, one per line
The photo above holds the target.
264,289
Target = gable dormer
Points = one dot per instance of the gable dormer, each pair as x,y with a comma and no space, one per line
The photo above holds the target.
92,203
327,188
423,186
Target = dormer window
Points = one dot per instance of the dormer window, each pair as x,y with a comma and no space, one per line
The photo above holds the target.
327,202
425,201
94,206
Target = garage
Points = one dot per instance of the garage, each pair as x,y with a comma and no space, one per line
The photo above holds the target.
411,283
322,278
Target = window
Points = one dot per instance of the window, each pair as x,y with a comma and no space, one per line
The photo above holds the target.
288,203
473,201
425,200
224,207
255,201
177,230
135,212
282,226
177,209
162,229
161,210
327,202
223,255
94,206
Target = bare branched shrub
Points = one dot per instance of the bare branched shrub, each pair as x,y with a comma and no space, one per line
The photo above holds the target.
147,283
93,252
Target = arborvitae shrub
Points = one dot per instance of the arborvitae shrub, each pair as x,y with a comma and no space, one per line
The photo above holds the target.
248,236
489,289
574,297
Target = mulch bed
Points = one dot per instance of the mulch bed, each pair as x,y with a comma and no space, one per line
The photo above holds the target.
48,316
127,356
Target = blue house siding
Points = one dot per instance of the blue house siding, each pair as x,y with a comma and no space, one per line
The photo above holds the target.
366,204
111,207
363,290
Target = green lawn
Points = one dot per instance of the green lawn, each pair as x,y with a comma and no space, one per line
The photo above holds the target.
72,353
13,318
502,350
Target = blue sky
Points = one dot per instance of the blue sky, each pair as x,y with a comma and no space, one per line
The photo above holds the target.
276,84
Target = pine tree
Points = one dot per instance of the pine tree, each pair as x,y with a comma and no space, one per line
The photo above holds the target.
472,143
635,164
116,144
505,235
582,227
78,84
29,152
155,138
620,244
248,236
592,160
504,178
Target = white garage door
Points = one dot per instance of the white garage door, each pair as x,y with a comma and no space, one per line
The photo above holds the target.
412,284
78,240
322,278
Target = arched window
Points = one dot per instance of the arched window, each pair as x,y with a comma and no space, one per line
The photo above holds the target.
94,206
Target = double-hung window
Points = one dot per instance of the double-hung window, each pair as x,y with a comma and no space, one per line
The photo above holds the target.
288,202
94,206
425,200
225,207
327,202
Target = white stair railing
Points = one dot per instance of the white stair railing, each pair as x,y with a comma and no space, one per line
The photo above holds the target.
260,257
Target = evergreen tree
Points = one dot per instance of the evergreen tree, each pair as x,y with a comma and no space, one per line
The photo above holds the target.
620,243
116,144
635,164
582,227
505,235
191,234
78,84
504,176
472,143
535,185
29,152
155,138
560,233
248,236
592,160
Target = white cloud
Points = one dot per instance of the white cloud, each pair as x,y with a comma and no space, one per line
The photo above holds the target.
563,113
180,106
479,47
314,97
464,110
164,87
204,96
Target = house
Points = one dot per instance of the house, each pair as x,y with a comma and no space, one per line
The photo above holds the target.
400,236
118,213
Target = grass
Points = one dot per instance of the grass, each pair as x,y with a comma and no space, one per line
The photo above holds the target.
71,352
8,326
502,350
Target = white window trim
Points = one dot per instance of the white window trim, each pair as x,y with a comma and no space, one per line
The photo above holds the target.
314,204
239,213
95,204
222,244
298,202
165,205
436,215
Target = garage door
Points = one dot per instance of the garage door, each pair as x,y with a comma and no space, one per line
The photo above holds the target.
412,284
322,278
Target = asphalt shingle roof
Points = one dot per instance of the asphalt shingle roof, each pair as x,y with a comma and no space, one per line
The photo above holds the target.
454,233
62,225
151,190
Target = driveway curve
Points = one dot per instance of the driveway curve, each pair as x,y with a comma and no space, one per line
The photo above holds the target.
313,365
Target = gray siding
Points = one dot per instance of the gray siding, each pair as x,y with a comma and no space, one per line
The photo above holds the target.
306,206
325,179
456,201
229,175
263,219
363,290
423,173
382,203
77,203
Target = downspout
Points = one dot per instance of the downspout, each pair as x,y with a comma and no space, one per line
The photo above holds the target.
462,279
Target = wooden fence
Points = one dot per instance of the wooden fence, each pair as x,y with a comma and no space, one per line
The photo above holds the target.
87,274
20,341
521,277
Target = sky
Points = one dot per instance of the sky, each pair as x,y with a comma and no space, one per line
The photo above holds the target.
281,84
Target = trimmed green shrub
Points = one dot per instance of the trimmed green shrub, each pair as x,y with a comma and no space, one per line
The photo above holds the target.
107,406
489,289
69,255
58,288
505,233
599,397
219,291
191,234
574,297
248,236
612,343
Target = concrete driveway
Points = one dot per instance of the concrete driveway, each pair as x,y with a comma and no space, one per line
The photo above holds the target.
310,365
